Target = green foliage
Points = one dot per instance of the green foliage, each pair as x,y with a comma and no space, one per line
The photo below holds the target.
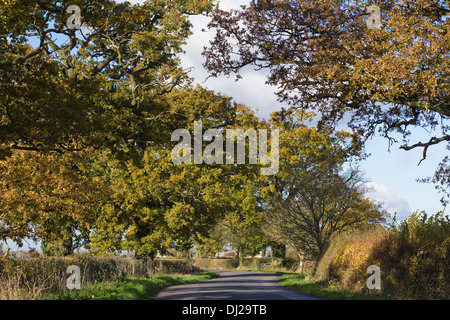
278,249
217,264
422,229
253,263
100,88
415,258
157,205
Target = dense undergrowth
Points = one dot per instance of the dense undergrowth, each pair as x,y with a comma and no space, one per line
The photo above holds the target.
413,256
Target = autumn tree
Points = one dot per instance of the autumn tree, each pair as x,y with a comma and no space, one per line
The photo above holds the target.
157,204
64,89
324,55
52,198
315,196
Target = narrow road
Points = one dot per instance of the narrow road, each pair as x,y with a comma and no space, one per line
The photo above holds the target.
234,285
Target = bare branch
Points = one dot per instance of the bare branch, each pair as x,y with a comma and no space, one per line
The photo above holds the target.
426,145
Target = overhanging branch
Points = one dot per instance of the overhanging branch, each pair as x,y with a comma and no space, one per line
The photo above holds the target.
426,145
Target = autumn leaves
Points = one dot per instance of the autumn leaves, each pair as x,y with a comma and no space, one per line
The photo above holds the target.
214,152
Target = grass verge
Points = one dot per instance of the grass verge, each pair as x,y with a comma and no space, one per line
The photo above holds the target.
307,284
129,288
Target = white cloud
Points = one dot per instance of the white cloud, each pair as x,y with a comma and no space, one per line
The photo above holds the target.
392,201
232,4
251,90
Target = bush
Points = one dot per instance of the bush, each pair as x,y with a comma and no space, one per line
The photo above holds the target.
285,264
347,258
253,263
413,256
173,266
416,258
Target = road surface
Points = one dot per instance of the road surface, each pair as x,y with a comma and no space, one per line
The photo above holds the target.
234,285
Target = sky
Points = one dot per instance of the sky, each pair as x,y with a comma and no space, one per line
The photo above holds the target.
391,174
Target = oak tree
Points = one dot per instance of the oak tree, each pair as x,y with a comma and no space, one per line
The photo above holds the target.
323,55
319,191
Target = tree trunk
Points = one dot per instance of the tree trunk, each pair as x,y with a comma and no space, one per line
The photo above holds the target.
238,256
316,263
323,246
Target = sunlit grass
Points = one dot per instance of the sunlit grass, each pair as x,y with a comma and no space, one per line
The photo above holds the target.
129,288
307,284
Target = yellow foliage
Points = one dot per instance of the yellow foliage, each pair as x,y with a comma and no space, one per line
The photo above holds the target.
348,257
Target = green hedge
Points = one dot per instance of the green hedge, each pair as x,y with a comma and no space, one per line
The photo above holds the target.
415,258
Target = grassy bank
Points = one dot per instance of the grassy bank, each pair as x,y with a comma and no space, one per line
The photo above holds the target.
33,277
139,288
307,284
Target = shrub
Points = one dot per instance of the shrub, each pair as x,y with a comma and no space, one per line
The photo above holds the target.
285,264
173,266
348,256
413,256
253,263
416,258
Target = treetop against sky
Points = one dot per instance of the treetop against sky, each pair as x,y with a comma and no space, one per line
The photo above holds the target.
393,171
387,82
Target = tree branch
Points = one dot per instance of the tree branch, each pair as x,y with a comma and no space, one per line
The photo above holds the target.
426,145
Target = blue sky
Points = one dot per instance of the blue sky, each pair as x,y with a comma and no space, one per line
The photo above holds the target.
392,173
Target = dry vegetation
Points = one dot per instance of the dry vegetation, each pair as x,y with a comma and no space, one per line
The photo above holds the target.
29,278
414,258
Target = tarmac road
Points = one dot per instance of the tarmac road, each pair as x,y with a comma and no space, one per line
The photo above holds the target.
234,285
